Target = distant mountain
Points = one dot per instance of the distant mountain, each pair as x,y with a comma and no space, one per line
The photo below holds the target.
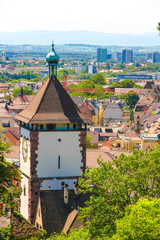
40,37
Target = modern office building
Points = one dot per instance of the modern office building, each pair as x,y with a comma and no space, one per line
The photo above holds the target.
91,69
101,54
76,68
134,77
109,56
127,56
155,57
149,56
3,56
118,57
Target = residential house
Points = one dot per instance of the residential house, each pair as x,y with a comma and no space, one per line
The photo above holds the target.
127,142
116,111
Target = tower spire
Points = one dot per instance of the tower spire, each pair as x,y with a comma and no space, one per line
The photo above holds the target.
52,58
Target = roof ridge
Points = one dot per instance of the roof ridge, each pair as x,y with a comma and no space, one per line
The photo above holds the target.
52,105
47,83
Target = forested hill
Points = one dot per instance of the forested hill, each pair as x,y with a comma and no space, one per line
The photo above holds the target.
39,37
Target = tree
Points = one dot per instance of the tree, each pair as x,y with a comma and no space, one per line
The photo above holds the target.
141,221
114,210
78,234
88,141
26,91
131,98
8,173
98,79
108,65
114,185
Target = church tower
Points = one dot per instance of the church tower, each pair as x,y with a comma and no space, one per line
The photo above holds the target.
52,143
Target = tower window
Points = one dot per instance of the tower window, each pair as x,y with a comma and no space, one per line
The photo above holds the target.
24,190
58,162
74,126
41,126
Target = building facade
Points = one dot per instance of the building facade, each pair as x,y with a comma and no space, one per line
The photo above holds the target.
52,145
127,56
101,54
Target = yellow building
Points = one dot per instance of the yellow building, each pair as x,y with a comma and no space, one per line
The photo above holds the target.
101,115
4,87
128,141
126,116
149,141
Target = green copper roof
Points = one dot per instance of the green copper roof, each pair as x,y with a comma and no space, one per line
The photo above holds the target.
52,56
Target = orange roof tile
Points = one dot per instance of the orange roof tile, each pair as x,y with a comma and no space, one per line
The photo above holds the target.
11,136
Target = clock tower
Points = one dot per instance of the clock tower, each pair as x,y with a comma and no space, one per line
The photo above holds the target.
53,142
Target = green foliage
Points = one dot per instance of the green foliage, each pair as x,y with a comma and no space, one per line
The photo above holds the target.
26,91
76,234
126,84
62,72
85,75
98,79
6,97
96,83
29,74
88,141
141,221
152,67
5,233
131,98
8,173
116,184
119,66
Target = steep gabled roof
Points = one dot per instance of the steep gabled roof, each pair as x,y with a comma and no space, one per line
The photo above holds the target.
52,105
55,212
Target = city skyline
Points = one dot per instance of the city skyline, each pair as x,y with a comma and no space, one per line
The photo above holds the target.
109,17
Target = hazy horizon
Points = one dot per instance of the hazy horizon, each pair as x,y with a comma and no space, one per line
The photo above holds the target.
45,37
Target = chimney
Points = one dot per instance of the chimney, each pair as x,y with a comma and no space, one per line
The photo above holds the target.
62,185
85,102
76,189
66,194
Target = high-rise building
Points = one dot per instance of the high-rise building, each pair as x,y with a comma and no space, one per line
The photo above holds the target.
91,69
118,57
149,56
127,56
3,56
155,57
109,56
101,54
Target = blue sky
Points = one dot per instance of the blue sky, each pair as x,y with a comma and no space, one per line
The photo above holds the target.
111,16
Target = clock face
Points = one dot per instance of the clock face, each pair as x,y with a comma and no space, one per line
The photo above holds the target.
25,148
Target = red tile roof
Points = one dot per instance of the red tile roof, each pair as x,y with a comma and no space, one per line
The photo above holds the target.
23,99
12,138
